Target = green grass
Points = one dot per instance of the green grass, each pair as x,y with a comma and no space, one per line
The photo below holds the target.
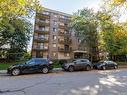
4,66
56,65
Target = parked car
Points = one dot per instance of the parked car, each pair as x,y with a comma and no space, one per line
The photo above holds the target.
78,64
105,65
33,65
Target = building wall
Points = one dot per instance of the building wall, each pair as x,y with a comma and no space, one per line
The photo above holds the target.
57,26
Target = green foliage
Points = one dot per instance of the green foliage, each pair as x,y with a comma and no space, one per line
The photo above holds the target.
17,8
12,13
27,55
85,25
114,35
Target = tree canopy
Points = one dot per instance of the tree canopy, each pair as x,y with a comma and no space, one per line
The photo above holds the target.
85,25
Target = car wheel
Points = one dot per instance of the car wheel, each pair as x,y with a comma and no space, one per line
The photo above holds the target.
88,68
104,68
45,70
15,72
71,69
115,67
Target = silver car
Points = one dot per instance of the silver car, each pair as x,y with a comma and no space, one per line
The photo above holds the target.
78,64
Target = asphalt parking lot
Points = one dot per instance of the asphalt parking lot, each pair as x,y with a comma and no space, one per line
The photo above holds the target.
95,82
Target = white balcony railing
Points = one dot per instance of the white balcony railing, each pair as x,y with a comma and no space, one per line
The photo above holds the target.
39,47
40,38
43,21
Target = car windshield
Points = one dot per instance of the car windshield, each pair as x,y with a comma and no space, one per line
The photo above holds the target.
101,62
30,61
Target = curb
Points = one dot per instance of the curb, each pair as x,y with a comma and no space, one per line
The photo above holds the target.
3,71
55,69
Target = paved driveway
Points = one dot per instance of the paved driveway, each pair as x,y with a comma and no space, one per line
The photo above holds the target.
109,82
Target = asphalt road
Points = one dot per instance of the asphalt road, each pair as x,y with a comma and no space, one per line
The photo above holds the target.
109,82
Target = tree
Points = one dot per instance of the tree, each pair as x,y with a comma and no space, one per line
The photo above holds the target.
113,36
17,8
19,38
11,10
85,25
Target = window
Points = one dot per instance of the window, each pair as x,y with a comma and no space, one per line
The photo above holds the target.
66,54
54,45
54,53
32,61
62,17
79,40
55,22
83,60
46,13
41,28
55,15
54,37
42,20
54,30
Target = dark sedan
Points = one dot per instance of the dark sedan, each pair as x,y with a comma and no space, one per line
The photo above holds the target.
33,65
105,65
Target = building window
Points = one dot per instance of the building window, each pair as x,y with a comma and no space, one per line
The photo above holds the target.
62,17
54,37
55,22
55,15
79,40
54,45
46,13
66,54
54,30
41,28
54,54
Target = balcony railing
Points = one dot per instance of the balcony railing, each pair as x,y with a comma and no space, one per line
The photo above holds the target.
39,15
65,41
42,22
40,47
69,41
61,33
62,49
41,39
61,40
43,31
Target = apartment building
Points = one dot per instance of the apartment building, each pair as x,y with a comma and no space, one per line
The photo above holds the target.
53,37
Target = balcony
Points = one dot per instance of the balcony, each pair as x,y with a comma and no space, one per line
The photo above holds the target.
61,41
65,41
41,39
61,33
63,26
41,48
62,49
42,22
42,31
69,41
39,15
